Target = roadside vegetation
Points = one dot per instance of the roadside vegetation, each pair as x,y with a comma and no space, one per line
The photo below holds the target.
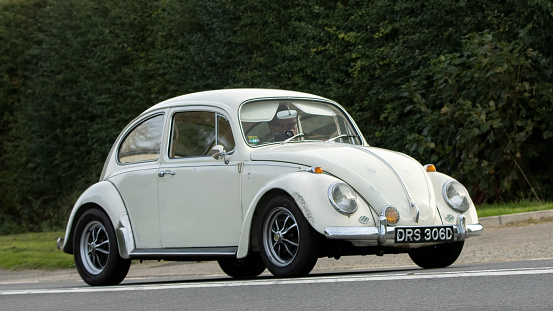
38,250
486,210
33,251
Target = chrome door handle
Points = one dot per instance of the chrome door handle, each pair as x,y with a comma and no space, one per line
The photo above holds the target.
163,173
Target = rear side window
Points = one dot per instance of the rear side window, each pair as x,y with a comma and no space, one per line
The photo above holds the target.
143,143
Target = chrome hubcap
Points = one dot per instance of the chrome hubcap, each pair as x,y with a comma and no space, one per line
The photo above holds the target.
94,247
281,237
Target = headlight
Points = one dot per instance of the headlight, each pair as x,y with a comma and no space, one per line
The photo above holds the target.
343,198
456,196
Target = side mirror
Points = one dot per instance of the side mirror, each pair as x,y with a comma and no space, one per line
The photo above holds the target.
219,151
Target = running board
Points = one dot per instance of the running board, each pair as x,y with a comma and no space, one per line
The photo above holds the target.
188,253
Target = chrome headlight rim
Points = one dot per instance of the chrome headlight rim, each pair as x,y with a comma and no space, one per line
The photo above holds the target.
332,199
453,205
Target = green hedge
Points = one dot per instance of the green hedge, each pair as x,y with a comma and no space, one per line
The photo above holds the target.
466,85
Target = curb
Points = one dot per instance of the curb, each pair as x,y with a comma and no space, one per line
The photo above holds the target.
498,221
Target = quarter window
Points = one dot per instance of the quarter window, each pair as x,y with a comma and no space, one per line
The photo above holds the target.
143,143
224,131
195,133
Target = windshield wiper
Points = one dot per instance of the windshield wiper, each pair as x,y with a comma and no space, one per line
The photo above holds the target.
295,136
338,137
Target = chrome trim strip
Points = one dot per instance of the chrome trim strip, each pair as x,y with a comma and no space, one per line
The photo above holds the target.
281,164
401,181
195,164
228,251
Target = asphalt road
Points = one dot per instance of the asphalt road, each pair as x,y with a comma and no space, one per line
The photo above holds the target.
507,268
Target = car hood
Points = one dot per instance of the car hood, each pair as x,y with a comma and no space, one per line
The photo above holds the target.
382,177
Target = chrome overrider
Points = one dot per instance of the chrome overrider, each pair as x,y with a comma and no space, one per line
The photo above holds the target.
59,243
383,232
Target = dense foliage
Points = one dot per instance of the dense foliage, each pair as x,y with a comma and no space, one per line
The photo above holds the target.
466,84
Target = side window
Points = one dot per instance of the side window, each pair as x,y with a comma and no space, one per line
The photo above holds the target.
224,137
143,143
193,134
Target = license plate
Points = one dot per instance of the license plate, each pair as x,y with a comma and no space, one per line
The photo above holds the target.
424,234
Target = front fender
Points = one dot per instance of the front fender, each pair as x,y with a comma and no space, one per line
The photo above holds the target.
105,196
448,215
310,192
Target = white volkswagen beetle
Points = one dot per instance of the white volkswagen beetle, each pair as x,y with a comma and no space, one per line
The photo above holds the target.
255,179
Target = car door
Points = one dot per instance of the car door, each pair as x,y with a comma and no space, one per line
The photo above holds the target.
199,197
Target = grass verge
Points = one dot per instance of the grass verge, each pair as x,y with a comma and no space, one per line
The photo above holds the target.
33,251
486,210
38,250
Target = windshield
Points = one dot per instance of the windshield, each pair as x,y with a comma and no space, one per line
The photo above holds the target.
281,121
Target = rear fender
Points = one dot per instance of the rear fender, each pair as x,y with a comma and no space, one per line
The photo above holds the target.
102,195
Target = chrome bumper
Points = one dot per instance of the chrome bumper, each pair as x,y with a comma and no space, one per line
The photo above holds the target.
59,243
383,232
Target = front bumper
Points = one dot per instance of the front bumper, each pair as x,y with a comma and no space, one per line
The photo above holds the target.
381,234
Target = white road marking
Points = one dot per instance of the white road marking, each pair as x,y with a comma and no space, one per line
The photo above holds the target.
307,280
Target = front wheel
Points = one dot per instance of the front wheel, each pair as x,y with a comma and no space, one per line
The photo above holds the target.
95,250
289,246
437,256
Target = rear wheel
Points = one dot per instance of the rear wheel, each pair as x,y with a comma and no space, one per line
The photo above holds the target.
437,256
289,246
250,266
95,250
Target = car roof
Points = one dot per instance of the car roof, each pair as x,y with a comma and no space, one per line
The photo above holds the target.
230,98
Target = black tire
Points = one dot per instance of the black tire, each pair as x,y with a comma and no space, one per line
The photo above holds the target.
437,256
288,245
95,250
250,266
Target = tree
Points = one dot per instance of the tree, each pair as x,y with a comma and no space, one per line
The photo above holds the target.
487,116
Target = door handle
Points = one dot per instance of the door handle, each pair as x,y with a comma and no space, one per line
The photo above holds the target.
163,173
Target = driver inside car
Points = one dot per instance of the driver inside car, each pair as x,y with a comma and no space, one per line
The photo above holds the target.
284,125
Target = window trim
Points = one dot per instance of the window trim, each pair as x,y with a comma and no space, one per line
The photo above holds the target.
347,117
130,130
216,128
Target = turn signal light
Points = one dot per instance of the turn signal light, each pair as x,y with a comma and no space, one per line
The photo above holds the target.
392,215
316,170
430,168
